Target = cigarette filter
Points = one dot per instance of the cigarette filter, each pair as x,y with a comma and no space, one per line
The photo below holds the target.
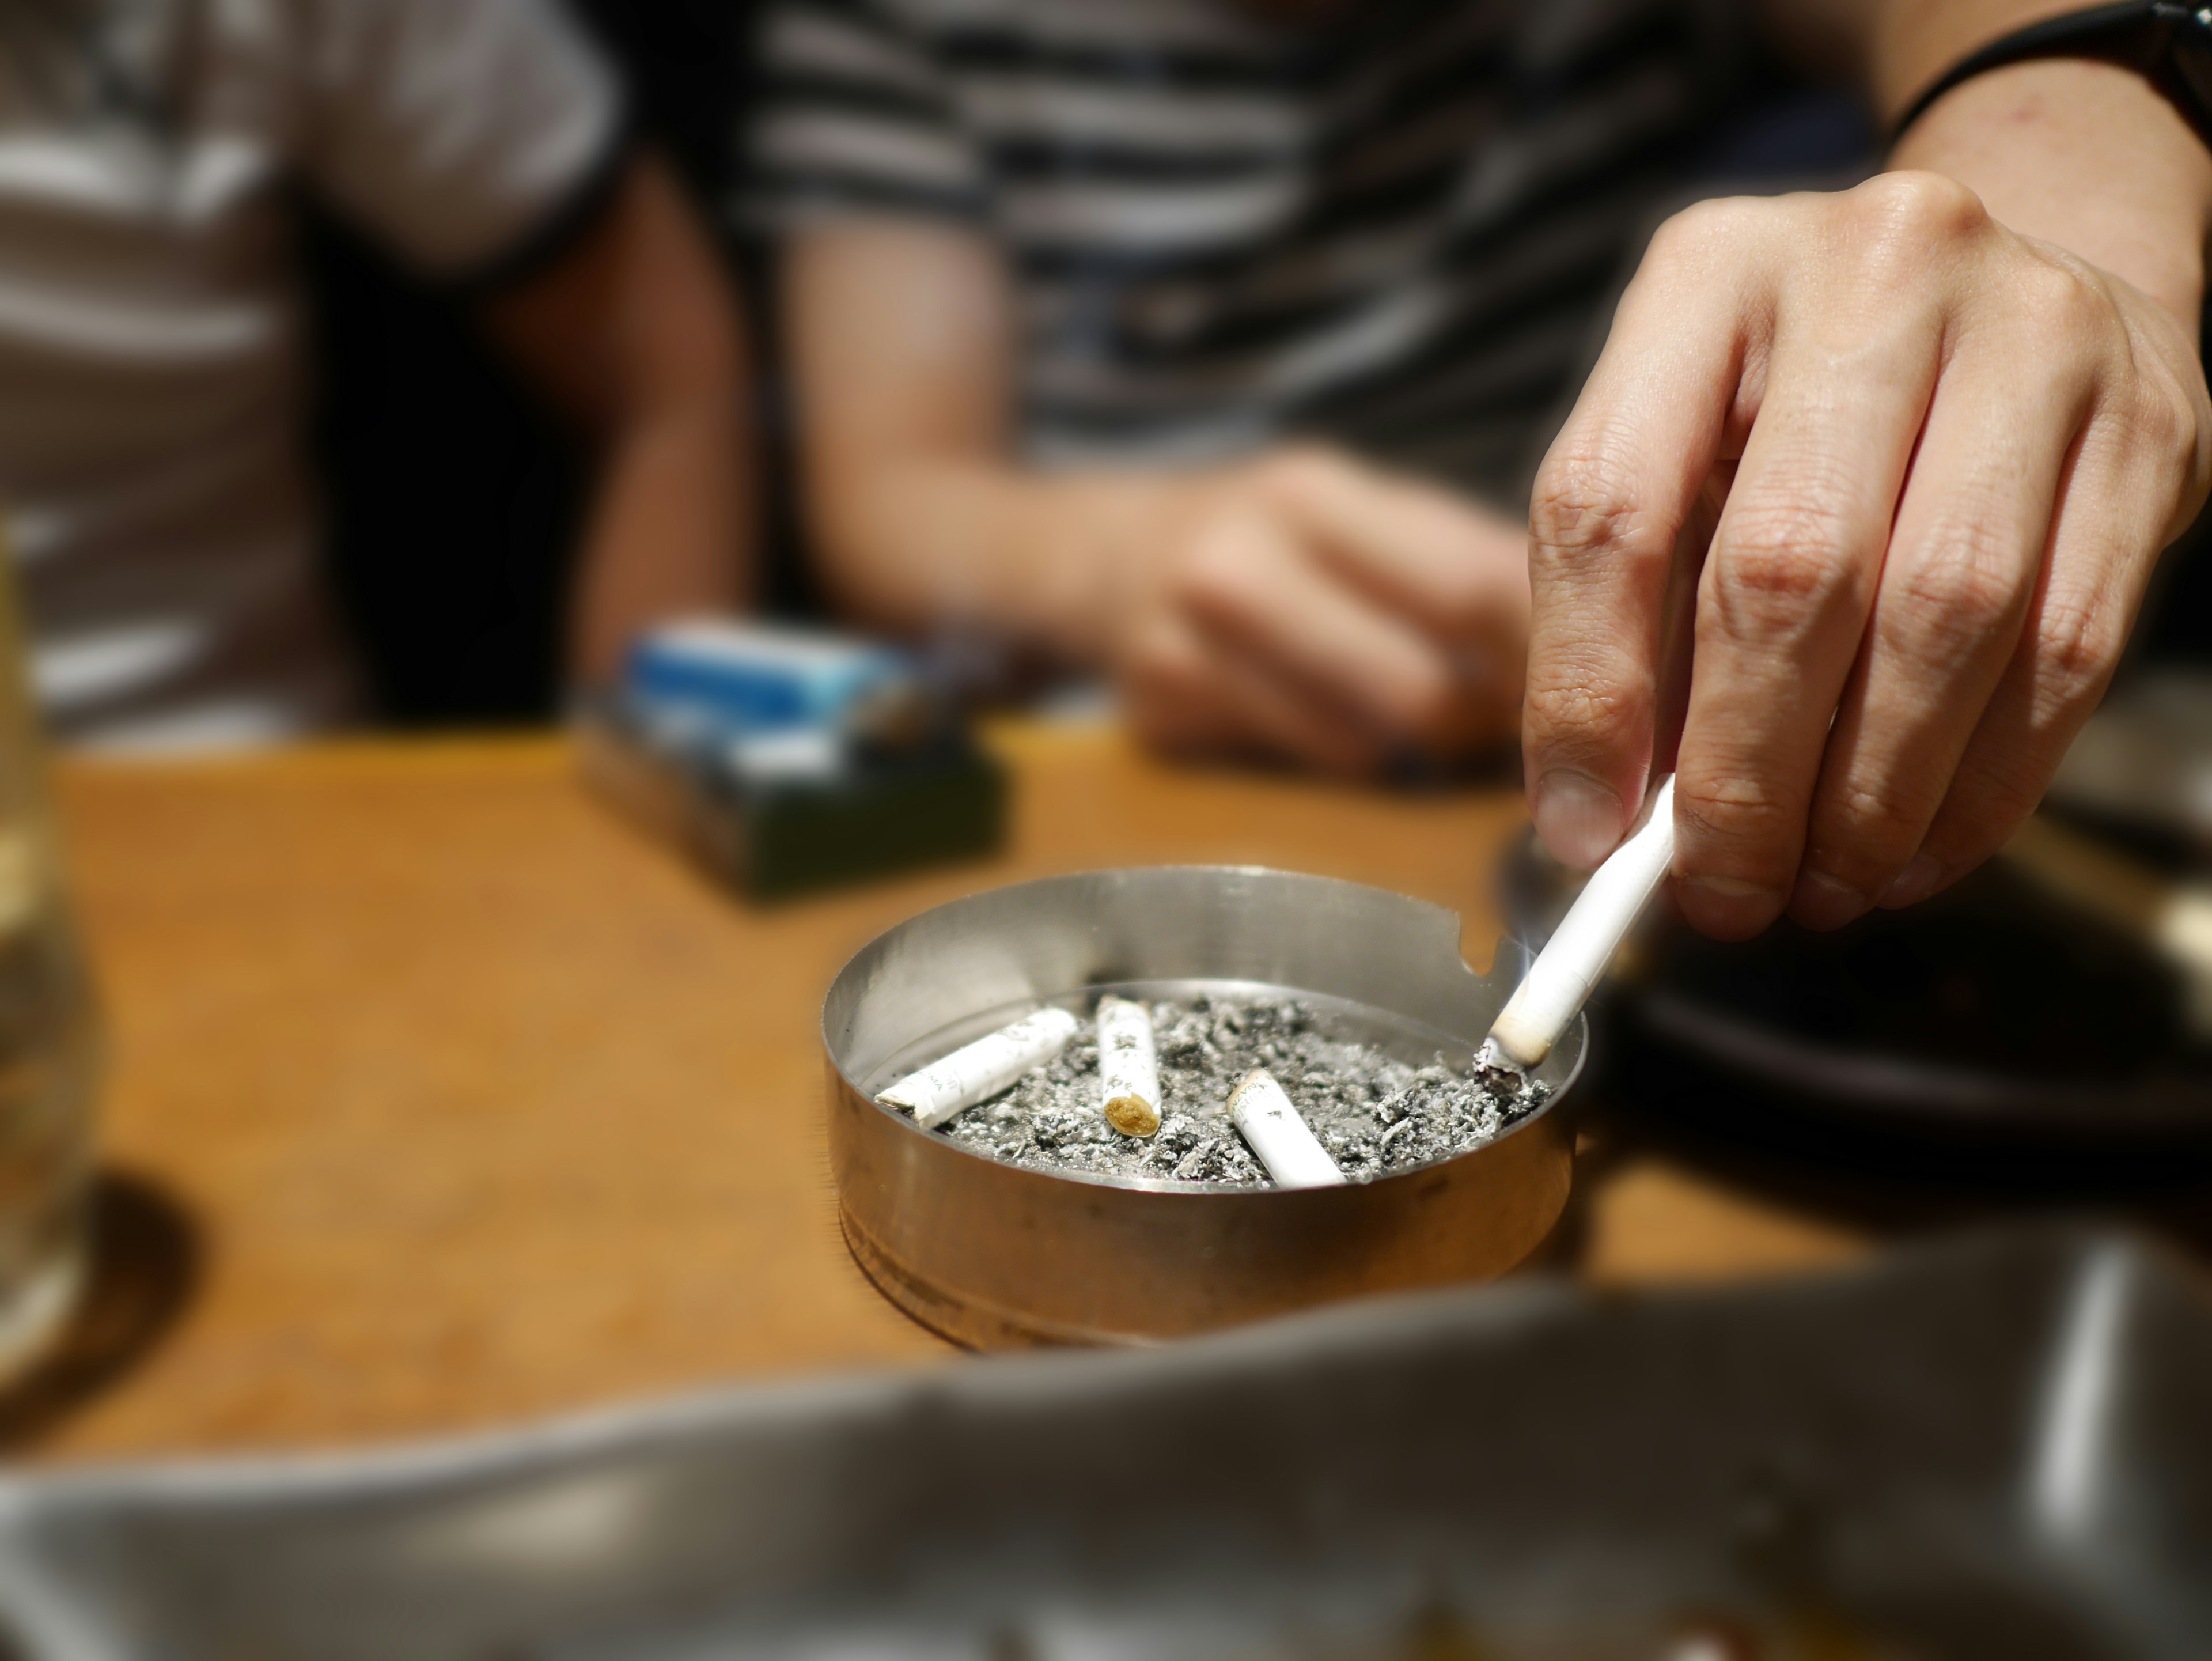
1285,1143
1558,983
970,1074
1128,1066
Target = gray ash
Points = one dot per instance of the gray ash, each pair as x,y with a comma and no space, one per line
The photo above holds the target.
1373,1113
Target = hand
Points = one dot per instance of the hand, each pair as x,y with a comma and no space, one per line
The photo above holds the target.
1943,457
1311,607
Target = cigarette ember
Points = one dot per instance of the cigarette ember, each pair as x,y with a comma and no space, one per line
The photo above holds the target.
981,1070
1128,1066
1373,1112
1271,1127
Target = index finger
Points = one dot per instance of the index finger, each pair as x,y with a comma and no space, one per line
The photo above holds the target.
1620,484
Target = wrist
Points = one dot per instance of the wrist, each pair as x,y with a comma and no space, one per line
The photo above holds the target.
2085,156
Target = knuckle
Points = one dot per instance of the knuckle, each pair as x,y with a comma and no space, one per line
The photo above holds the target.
2078,644
1583,703
2165,425
1960,604
1740,825
1782,558
1919,208
1730,799
1690,229
2058,301
1585,504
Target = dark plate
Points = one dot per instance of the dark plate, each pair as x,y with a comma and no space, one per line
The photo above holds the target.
1994,1021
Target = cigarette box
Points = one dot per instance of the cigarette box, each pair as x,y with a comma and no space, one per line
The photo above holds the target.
772,833
760,678
785,760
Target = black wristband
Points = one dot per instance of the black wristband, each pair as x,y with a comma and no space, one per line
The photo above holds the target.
2168,43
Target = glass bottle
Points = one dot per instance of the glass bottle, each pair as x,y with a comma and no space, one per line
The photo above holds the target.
51,1036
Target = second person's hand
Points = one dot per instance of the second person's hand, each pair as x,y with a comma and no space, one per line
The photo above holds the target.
1312,607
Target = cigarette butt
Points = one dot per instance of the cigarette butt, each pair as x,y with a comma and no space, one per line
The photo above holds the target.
970,1074
1128,1066
1285,1143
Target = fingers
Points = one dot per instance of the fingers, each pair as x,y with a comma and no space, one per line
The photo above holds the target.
1255,585
1781,608
1191,695
1964,563
1269,635
1611,500
1434,559
1886,673
2106,530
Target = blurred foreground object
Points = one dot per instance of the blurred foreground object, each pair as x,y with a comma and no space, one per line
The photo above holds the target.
50,1037
2173,918
786,760
1991,1448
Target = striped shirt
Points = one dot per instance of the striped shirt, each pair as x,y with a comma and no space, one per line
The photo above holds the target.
1390,225
153,373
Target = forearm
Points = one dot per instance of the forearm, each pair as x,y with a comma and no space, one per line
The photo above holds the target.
914,543
2079,153
634,335
671,531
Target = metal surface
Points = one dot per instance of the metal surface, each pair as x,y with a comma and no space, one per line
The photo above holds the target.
1992,1448
993,1255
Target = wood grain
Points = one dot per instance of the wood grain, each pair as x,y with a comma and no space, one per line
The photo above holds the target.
479,1106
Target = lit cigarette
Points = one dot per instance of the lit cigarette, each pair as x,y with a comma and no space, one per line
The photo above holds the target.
1128,1066
1285,1144
1558,983
981,1070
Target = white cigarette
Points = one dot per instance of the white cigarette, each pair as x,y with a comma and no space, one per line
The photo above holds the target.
1285,1143
1128,1066
981,1070
1558,983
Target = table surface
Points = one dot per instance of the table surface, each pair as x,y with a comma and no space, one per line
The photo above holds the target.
441,1097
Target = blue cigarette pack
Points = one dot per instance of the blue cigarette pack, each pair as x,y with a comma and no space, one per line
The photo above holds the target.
786,761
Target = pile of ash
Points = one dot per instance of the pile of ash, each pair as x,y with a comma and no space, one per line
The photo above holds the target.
1372,1112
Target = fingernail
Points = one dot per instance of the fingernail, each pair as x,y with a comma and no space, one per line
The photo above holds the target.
1726,908
1579,820
1914,884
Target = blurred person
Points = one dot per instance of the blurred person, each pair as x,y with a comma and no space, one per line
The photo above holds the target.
1187,338
152,375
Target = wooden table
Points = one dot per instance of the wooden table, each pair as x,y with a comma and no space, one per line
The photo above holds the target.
441,1098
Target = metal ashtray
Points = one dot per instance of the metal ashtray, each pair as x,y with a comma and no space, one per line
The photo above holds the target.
995,1255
